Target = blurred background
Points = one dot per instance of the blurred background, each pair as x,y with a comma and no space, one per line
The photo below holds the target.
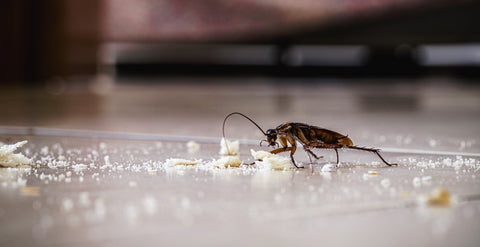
148,65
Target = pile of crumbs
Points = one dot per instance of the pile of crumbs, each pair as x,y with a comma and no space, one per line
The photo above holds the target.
229,151
10,159
268,161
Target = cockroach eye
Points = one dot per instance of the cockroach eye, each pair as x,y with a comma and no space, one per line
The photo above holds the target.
271,132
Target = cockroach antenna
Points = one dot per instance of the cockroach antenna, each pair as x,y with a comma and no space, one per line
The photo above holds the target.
241,114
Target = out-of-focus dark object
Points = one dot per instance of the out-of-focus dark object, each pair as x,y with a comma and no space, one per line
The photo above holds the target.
43,39
289,38
48,38
383,22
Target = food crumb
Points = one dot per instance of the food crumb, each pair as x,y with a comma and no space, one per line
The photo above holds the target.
180,162
193,147
10,159
132,184
439,197
329,167
372,172
275,162
225,162
260,155
228,148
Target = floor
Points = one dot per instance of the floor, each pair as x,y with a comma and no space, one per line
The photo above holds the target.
100,175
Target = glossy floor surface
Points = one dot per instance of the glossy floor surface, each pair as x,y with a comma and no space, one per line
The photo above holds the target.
100,175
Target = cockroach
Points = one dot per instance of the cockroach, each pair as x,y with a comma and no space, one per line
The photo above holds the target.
308,135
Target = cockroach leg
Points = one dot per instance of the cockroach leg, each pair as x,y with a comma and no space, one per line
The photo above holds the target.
307,149
373,150
336,152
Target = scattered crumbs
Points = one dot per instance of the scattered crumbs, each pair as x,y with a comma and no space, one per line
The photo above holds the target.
439,197
447,162
180,162
79,167
228,148
10,159
107,162
132,184
68,180
193,147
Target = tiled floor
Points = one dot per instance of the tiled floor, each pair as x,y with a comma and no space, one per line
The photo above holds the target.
100,177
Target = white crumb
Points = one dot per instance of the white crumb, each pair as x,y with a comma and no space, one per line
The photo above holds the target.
180,162
193,147
229,148
260,155
9,159
329,167
275,163
228,161
268,161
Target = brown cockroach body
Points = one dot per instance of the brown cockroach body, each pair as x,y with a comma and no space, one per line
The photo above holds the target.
309,136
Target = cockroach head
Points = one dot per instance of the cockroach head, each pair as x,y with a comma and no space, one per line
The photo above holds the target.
271,136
